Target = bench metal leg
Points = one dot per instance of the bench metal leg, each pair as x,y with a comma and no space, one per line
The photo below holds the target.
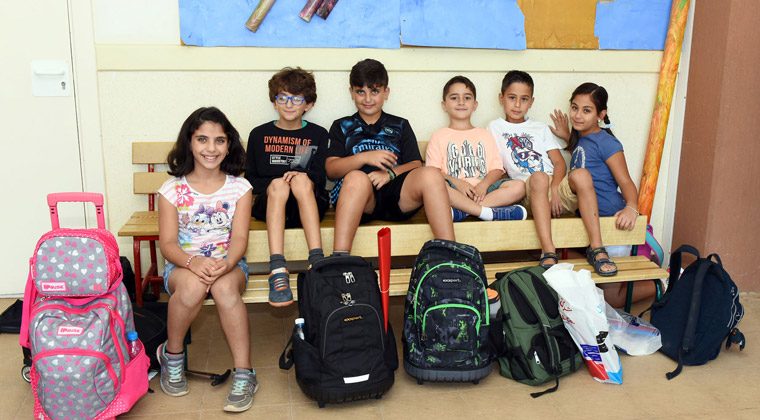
138,271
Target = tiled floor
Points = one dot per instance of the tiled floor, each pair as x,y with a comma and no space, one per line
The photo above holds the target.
725,388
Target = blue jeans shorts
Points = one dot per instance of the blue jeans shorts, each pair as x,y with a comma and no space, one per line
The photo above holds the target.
169,267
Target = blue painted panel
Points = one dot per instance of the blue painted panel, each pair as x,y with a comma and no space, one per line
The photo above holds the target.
352,23
632,24
463,23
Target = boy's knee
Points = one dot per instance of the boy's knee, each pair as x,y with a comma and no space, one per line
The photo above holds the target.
301,184
278,188
356,181
429,175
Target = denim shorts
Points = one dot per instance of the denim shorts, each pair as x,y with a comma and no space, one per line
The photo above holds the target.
169,267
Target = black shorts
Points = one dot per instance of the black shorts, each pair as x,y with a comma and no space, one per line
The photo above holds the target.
292,215
386,203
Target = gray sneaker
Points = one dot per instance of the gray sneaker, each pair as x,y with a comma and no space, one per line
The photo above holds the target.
173,381
244,385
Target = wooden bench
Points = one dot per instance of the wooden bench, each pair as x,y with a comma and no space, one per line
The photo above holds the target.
407,237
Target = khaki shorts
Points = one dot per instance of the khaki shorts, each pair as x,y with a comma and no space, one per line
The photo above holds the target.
566,196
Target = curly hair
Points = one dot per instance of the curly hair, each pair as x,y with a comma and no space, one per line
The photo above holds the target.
295,81
180,158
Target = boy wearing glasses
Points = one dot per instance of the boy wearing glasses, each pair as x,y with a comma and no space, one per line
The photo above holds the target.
376,162
286,167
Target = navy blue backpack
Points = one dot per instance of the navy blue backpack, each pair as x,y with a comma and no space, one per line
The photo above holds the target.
698,312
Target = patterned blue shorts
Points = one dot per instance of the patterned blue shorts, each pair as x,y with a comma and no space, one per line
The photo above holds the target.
169,267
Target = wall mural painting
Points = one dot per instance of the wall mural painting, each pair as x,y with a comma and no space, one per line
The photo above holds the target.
493,24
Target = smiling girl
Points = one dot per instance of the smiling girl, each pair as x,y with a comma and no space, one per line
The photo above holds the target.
204,214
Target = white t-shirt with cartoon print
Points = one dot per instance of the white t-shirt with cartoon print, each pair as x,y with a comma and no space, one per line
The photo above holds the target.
205,220
524,147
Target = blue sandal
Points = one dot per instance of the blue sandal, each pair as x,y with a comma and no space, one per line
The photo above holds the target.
279,289
548,256
591,255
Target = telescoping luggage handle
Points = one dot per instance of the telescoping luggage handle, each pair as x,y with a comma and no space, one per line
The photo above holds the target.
75,197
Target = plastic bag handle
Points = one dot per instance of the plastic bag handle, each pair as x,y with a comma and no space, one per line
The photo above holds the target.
75,197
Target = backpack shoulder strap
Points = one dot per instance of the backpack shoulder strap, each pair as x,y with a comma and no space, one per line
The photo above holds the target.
675,263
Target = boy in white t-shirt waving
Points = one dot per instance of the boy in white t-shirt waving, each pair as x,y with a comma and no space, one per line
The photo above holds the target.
530,151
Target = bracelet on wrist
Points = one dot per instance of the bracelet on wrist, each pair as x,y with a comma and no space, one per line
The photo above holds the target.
391,174
189,259
634,210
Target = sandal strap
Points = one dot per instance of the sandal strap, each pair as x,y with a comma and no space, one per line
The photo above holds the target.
549,256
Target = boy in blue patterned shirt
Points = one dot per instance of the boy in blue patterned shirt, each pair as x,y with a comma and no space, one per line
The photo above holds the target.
376,162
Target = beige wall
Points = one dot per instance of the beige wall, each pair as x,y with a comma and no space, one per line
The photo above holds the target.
719,193
147,87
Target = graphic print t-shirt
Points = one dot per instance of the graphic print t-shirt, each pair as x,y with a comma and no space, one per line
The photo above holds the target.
205,220
273,151
524,147
351,135
592,153
464,154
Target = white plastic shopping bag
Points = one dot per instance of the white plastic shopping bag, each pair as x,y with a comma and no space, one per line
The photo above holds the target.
583,310
631,334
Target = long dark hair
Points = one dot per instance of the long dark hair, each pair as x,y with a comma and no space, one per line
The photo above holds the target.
180,158
598,96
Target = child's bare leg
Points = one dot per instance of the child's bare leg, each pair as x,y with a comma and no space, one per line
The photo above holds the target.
459,201
277,195
303,190
509,192
426,186
233,315
582,185
187,294
615,293
356,197
540,207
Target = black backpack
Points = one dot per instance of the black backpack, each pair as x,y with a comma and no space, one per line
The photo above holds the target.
531,341
346,353
699,311
446,317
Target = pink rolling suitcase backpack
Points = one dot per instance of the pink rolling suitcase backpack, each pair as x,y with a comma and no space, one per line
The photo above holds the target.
75,320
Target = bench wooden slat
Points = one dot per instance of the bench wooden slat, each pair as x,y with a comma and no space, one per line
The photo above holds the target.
629,269
407,236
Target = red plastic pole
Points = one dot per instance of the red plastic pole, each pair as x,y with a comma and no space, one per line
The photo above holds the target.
384,263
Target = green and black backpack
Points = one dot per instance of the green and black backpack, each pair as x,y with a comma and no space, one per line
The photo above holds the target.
446,317
530,340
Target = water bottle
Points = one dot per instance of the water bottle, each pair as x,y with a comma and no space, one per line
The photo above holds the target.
299,328
133,344
494,302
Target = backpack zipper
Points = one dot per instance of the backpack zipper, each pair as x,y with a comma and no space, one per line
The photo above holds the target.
452,305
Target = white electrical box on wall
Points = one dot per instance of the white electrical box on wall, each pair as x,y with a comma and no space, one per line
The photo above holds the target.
51,78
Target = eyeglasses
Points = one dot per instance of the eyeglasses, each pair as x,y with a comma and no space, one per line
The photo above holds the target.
283,99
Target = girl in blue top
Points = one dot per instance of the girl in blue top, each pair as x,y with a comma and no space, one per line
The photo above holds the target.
598,155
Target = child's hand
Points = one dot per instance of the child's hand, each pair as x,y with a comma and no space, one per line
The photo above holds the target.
380,159
203,267
379,178
479,192
290,175
625,219
555,203
561,124
464,187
